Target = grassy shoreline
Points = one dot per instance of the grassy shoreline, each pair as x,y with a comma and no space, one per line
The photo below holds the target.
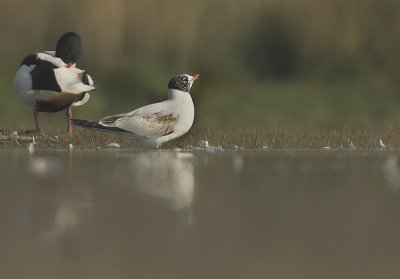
247,138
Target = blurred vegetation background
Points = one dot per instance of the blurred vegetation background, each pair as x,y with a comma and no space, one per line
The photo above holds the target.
267,63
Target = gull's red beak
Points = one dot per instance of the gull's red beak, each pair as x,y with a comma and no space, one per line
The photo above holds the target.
197,76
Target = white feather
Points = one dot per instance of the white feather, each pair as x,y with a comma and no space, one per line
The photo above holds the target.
23,84
91,82
53,60
70,80
83,101
50,52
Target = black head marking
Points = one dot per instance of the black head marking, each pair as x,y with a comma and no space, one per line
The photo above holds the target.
180,82
69,47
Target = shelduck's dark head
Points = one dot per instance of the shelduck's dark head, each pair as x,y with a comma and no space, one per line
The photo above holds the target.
69,47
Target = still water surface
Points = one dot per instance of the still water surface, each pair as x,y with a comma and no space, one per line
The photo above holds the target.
163,214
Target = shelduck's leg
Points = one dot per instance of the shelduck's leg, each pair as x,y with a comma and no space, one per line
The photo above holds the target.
38,131
69,116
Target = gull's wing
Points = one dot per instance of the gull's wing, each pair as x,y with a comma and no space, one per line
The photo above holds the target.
154,120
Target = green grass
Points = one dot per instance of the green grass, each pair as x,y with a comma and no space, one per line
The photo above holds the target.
247,138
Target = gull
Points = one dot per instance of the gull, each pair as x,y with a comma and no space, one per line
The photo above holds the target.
155,124
49,81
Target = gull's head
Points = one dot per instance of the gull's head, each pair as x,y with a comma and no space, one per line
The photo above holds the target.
69,47
183,82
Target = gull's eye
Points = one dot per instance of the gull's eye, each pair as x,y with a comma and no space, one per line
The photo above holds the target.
185,79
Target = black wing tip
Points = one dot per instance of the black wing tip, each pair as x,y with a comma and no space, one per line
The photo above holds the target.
94,125
84,123
77,121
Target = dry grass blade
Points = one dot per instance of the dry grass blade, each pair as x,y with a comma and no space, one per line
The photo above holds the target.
247,139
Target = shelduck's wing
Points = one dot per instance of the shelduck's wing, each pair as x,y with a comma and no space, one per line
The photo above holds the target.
51,73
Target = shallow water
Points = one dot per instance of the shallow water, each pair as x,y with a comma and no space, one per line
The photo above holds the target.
163,214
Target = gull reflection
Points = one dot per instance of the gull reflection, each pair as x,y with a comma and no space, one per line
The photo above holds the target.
63,236
238,163
70,214
391,172
167,175
45,166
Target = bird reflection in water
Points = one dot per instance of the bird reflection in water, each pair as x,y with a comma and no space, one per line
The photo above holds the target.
168,175
72,206
391,172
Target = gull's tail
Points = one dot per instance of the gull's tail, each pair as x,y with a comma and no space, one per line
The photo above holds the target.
94,125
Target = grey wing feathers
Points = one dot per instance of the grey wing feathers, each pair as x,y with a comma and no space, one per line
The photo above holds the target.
110,120
154,120
164,124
